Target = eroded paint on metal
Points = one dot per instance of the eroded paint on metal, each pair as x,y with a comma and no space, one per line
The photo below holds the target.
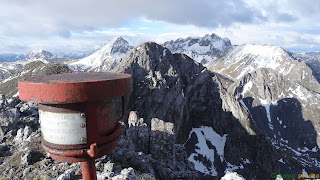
60,88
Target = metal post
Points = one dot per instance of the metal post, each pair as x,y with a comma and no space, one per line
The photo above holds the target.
89,169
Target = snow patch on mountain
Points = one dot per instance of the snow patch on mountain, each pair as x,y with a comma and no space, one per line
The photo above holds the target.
244,105
240,60
104,58
204,49
246,88
232,176
204,136
300,92
232,168
261,55
267,105
6,67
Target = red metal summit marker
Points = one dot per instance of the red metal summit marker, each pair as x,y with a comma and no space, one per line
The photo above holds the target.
77,113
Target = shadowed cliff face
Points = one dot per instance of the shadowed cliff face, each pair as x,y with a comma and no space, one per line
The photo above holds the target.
286,112
283,120
286,129
275,93
176,89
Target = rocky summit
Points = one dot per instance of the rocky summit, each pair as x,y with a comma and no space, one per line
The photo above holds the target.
251,113
104,58
202,49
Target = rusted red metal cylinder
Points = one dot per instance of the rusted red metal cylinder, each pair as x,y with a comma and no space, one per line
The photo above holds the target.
77,113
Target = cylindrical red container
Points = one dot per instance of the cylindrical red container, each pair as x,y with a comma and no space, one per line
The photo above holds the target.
77,113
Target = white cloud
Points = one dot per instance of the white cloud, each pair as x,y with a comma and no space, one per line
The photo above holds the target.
59,17
81,24
281,35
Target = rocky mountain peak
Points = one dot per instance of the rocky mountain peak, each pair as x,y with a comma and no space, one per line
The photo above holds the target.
116,45
39,54
204,49
104,58
212,41
157,61
160,76
213,38
119,46
153,52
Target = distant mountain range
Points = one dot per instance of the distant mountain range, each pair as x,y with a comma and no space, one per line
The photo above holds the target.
250,109
203,49
312,53
17,57
11,57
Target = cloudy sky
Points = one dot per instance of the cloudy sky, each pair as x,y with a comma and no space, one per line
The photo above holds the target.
83,25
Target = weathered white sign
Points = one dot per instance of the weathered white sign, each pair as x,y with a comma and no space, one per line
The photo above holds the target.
63,128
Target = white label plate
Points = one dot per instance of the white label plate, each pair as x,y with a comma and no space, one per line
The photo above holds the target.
63,128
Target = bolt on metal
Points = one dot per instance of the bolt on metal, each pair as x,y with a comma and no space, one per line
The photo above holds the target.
83,125
83,139
83,115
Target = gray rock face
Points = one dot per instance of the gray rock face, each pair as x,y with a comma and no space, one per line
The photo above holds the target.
129,173
140,136
31,157
23,134
159,76
3,102
151,150
120,46
312,60
178,90
9,117
68,175
27,108
162,145
8,121
4,150
107,171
